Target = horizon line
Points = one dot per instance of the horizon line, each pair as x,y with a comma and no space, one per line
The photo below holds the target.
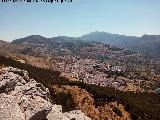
45,36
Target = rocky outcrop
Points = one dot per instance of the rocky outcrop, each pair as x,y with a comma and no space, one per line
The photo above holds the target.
22,98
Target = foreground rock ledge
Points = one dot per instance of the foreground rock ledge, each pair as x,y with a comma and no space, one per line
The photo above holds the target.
22,98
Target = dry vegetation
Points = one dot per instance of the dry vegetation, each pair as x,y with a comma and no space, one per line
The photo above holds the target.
84,101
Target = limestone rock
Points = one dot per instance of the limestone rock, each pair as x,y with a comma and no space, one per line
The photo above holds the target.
76,115
56,114
9,80
36,108
22,97
9,108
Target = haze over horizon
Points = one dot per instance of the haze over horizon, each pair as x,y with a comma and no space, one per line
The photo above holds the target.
132,18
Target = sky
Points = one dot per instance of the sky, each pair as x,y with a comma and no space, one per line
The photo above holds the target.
126,17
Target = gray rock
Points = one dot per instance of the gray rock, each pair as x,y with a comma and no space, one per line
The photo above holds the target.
76,115
28,100
22,98
56,114
9,108
9,80
35,108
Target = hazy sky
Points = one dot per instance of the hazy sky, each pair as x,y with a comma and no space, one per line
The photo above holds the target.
129,17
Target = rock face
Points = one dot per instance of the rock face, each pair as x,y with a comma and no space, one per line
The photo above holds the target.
22,98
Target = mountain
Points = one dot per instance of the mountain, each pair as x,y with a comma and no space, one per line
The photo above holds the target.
59,46
112,39
31,40
37,40
147,44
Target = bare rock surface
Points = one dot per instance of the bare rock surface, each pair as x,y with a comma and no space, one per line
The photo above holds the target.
75,115
22,98
9,108
56,114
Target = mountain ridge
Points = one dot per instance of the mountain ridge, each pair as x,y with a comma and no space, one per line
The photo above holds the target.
146,44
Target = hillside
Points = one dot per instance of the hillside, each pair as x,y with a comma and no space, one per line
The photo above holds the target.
139,105
112,39
90,61
6,48
147,44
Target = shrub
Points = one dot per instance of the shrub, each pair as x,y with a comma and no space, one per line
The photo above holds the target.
64,99
117,111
